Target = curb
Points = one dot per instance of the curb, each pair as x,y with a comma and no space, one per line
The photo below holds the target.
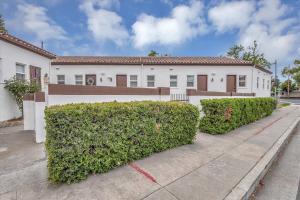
244,189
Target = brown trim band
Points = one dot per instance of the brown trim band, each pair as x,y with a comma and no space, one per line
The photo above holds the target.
28,97
39,97
55,89
193,92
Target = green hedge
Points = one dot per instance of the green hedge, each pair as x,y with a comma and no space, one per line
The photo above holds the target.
94,138
224,115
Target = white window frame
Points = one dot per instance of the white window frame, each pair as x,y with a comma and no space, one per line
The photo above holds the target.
61,82
193,81
174,81
268,84
150,82
263,84
133,82
78,82
257,82
21,73
243,81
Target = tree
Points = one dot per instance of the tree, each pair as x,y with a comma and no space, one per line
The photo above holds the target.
2,25
286,71
18,88
288,86
296,77
293,72
236,51
250,54
153,53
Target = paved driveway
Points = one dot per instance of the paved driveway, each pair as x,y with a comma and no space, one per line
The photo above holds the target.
207,169
23,161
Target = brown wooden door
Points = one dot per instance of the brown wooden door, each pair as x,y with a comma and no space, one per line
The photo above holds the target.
202,82
121,80
35,75
90,79
231,83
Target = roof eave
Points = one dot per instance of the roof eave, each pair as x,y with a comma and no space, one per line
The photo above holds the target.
47,55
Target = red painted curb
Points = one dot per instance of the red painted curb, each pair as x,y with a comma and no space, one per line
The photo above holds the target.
140,170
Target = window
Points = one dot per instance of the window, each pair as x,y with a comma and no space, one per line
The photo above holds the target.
268,84
257,82
150,81
242,81
61,79
173,81
190,80
20,71
263,84
133,81
78,80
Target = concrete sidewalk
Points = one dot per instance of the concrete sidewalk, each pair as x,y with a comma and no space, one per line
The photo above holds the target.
208,169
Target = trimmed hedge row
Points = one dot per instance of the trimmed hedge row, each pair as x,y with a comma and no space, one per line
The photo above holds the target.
94,138
224,115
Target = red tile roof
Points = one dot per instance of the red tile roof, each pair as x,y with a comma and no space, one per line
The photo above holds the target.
25,45
164,60
112,60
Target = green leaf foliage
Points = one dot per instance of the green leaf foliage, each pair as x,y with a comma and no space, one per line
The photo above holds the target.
224,115
85,139
18,88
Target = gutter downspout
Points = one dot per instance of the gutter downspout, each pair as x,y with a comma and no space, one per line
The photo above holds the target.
252,79
142,68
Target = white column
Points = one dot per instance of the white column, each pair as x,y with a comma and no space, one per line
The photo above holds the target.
40,105
29,114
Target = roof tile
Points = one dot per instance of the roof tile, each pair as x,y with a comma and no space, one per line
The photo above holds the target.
25,45
164,60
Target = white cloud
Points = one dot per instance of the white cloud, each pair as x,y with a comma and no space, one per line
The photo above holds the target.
168,2
270,10
34,20
185,22
230,15
265,21
274,46
104,24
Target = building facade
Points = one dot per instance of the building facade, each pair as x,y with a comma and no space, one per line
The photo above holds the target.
210,74
124,78
24,61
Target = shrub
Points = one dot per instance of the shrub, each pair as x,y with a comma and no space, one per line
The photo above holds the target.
224,115
94,138
18,88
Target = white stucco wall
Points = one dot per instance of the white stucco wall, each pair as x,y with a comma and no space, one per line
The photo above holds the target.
66,99
263,77
29,115
215,75
10,55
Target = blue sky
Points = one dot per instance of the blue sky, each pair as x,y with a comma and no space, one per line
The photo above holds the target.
174,27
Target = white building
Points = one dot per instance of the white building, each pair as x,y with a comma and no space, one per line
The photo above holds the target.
23,60
207,74
123,78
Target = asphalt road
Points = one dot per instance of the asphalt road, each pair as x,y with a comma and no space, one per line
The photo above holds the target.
282,180
295,101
